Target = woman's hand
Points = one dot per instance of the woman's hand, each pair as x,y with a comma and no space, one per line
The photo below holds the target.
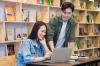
43,41
45,57
48,52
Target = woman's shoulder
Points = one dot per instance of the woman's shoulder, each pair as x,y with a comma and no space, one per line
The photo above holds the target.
29,41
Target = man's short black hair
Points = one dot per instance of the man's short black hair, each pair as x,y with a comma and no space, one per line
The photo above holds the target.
66,5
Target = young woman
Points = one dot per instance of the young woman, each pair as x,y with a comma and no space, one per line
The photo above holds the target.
34,49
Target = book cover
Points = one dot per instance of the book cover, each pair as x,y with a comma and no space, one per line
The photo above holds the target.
24,1
45,15
2,14
77,4
24,33
52,14
10,13
32,1
39,15
76,16
1,33
50,2
83,4
10,49
77,43
83,30
90,31
45,2
90,42
42,2
97,18
12,0
25,15
10,34
96,29
2,50
32,15
38,1
56,3
18,34
90,5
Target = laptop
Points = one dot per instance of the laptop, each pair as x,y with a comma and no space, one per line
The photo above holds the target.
60,55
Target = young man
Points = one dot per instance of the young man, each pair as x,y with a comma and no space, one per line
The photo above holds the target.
61,29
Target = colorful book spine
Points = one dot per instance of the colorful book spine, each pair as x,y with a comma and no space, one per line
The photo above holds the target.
50,2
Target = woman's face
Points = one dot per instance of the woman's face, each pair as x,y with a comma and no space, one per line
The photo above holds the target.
41,32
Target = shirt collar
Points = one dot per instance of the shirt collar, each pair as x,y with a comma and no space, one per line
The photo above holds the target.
61,20
36,44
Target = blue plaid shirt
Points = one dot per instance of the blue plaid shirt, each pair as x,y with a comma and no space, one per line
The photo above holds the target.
28,50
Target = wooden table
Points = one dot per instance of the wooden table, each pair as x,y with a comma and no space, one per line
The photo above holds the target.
82,62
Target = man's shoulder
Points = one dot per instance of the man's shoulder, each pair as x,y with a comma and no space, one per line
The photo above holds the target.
72,21
56,18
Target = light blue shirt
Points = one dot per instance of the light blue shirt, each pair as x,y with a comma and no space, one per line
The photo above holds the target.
29,50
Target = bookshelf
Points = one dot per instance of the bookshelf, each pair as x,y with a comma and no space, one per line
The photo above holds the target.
87,17
16,21
24,13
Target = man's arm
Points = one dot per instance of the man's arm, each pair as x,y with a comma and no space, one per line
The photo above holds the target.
72,35
50,34
51,44
71,45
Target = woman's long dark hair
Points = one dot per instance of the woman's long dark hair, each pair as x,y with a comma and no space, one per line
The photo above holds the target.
36,27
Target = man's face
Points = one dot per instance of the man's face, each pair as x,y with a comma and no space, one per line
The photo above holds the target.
66,14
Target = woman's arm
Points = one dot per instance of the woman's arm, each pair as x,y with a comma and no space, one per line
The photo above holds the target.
27,55
48,52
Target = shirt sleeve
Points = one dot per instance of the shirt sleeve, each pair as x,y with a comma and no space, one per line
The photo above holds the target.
72,34
28,57
51,29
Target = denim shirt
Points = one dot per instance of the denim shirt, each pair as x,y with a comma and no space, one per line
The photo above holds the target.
29,50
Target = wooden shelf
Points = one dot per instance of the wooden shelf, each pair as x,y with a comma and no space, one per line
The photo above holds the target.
12,41
81,36
85,23
1,22
41,5
54,7
21,22
32,4
93,10
96,47
97,23
93,35
16,22
10,1
81,9
84,49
